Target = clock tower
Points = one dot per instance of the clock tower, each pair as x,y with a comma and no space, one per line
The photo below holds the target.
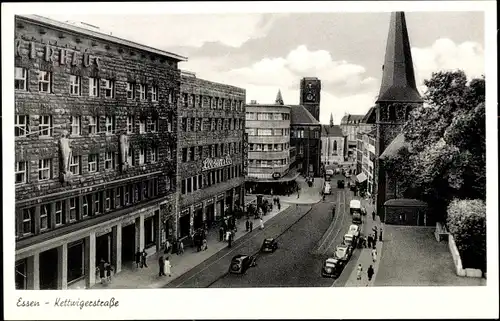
310,95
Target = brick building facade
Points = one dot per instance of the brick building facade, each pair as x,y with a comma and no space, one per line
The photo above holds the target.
210,176
95,139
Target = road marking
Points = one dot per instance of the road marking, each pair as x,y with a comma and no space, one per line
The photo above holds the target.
236,248
343,216
332,225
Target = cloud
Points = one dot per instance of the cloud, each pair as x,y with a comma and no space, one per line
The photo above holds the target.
445,55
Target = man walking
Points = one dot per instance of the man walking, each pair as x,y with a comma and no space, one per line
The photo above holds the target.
374,254
144,257
373,215
370,273
221,234
138,258
370,240
247,225
251,226
161,265
360,269
380,237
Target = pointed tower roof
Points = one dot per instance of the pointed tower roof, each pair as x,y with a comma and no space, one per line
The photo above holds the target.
398,78
279,99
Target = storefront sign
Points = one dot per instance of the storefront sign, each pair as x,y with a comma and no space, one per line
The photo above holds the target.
210,163
128,222
184,213
198,206
220,197
245,154
103,232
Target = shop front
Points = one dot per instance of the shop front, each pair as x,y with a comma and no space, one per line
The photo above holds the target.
198,216
210,212
103,243
150,231
128,242
184,223
49,269
219,207
229,199
76,261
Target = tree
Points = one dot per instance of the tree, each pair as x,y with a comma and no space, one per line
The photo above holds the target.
445,152
467,223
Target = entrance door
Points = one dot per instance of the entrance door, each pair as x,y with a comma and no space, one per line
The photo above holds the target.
184,225
198,219
103,248
128,243
48,270
21,273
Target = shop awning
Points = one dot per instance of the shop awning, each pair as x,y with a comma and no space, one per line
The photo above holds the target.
361,177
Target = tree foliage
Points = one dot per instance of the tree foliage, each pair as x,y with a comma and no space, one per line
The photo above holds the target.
467,223
445,153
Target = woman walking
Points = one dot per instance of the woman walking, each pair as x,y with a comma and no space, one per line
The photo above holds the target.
261,224
374,255
360,269
168,267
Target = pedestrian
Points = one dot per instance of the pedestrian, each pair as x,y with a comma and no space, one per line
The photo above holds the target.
374,255
375,234
370,240
373,215
205,245
360,269
221,234
279,206
167,247
167,267
109,268
380,236
102,270
370,273
261,224
161,265
251,226
229,241
138,258
374,242
181,248
144,257
198,242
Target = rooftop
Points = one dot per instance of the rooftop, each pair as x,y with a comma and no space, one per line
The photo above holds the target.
96,34
331,131
301,116
394,147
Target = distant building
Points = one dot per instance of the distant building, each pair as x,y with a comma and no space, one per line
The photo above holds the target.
332,144
352,125
366,160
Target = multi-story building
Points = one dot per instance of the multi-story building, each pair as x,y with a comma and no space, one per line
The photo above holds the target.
352,125
332,144
210,177
305,136
95,137
366,160
268,128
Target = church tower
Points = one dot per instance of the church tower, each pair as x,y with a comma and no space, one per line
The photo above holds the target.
397,97
279,98
310,95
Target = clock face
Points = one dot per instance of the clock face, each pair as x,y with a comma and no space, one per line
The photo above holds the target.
310,97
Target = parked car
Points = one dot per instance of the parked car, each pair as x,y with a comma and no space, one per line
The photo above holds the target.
269,245
343,252
349,240
332,268
241,263
340,183
354,230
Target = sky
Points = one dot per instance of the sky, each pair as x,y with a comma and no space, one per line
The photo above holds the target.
264,52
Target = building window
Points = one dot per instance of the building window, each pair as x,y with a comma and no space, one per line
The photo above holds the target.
93,125
109,88
44,169
44,81
59,212
20,78
73,205
110,124
97,204
74,165
142,92
142,152
75,85
107,196
184,124
154,154
118,197
109,160
22,123
142,126
170,96
184,155
264,132
28,215
76,125
191,124
183,186
154,93
93,163
130,90
185,99
94,87
153,124
87,199
45,126
20,172
44,216
130,156
130,124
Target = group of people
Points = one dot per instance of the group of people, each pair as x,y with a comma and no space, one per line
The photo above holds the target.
200,239
276,201
370,272
165,266
105,270
141,258
174,247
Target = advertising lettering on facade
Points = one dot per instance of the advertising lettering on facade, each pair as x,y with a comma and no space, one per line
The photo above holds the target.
211,163
245,154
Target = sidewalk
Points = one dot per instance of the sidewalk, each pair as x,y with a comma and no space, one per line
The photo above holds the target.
365,256
132,277
307,195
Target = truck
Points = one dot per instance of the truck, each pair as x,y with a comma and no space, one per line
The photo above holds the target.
328,174
356,211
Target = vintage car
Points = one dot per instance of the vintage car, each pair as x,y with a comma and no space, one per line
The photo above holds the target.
331,268
354,230
241,263
327,188
349,240
343,252
340,183
269,245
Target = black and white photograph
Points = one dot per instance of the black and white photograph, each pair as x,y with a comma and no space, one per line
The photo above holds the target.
271,157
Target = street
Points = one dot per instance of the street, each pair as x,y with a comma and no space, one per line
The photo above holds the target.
306,238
